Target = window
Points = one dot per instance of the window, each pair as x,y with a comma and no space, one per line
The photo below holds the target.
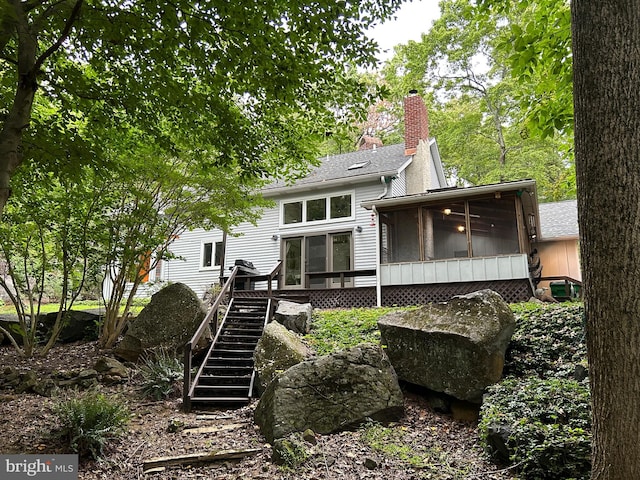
293,212
318,209
341,206
211,254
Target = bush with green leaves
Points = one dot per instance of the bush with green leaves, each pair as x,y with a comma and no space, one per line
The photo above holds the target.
161,375
334,330
542,425
88,422
549,341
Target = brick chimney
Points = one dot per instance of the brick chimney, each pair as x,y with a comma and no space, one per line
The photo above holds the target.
416,122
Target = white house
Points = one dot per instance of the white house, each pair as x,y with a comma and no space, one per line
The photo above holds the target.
384,220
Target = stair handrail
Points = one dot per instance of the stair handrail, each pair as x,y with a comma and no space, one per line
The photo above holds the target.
273,274
227,288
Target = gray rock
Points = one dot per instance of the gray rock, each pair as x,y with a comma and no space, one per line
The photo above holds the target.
456,347
110,366
168,322
331,393
295,316
76,325
277,350
28,381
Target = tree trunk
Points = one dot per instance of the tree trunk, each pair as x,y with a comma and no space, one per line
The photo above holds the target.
606,46
19,114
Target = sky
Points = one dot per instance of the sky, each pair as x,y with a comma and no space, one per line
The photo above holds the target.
412,19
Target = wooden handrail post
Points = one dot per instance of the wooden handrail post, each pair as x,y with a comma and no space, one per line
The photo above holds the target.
186,399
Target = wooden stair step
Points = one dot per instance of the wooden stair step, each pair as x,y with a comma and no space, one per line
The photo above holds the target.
230,360
212,388
220,399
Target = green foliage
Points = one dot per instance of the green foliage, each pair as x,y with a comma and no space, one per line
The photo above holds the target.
161,375
547,424
90,421
537,48
539,418
392,441
549,341
290,452
464,72
334,330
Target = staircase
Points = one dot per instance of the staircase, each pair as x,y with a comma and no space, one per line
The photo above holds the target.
226,376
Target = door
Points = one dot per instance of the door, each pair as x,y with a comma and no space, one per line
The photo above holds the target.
293,262
317,253
340,258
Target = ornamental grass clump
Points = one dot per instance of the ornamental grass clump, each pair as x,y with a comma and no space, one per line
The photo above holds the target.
89,422
161,375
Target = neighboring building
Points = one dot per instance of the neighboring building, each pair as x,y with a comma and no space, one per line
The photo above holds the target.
558,245
384,220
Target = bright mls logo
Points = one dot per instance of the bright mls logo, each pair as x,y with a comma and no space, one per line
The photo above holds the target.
51,467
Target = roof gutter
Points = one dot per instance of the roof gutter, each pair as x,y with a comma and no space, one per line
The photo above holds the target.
339,182
433,196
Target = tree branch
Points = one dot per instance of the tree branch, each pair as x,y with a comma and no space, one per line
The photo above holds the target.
63,36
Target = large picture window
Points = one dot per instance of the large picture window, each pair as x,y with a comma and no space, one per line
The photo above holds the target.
320,209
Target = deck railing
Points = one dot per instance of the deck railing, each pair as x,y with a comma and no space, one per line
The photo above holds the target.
341,274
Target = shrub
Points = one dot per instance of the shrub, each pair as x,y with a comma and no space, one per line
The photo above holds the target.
543,426
549,341
161,375
90,421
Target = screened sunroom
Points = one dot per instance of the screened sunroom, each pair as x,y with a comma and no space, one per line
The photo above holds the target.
471,234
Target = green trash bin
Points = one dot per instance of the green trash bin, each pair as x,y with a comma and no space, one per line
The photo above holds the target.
564,291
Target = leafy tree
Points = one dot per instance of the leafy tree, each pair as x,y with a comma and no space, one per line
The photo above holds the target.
606,62
474,103
45,241
590,61
154,197
249,80
537,48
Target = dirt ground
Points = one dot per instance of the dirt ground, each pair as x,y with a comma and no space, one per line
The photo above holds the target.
423,445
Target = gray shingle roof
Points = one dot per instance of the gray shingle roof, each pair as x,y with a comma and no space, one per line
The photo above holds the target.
381,161
558,219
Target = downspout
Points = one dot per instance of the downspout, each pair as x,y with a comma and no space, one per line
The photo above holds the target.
378,284
386,189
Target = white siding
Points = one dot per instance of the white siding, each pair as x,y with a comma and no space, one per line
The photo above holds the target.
186,267
507,267
364,243
399,185
255,243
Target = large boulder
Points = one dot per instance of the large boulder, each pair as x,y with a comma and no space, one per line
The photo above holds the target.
168,322
277,350
331,393
76,325
295,316
456,347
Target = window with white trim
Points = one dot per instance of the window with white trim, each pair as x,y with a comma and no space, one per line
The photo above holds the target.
318,209
211,255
